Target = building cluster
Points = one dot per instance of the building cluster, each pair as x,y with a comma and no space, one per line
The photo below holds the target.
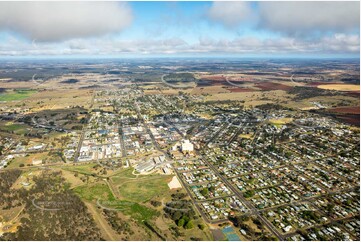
297,170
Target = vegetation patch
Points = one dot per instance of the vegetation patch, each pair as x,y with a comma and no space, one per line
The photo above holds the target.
92,192
145,188
16,95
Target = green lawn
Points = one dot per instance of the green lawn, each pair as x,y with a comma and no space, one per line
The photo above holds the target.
16,95
93,192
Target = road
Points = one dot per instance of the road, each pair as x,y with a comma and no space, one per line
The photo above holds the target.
174,86
233,84
198,209
103,224
76,155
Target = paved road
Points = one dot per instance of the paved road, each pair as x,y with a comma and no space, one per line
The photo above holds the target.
121,138
76,155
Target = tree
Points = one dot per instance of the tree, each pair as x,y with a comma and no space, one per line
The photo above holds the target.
201,226
181,222
204,192
189,225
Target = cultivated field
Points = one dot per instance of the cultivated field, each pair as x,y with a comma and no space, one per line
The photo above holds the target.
340,87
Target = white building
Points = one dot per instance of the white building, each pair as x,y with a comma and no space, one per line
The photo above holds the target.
187,146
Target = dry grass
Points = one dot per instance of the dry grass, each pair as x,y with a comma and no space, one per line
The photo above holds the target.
245,136
340,87
209,90
280,121
59,99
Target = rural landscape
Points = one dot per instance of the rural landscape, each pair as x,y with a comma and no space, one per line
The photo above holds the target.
180,150
180,121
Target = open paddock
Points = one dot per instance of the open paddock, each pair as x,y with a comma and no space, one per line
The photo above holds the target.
269,86
349,110
340,87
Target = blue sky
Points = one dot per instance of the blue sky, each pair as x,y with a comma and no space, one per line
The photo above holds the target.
235,29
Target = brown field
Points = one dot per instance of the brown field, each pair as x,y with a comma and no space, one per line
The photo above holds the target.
315,84
340,87
58,99
151,92
209,90
350,118
214,78
353,94
268,86
238,89
237,79
10,84
350,110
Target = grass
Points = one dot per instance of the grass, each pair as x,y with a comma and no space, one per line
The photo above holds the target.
12,127
245,136
340,87
281,121
27,160
92,192
86,169
136,210
10,214
16,95
101,192
143,189
123,175
140,189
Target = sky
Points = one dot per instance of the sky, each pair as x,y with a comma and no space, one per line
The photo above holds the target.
180,29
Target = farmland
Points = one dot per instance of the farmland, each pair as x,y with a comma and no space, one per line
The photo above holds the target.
16,95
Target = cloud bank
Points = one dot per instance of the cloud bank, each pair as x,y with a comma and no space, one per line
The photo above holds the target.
230,14
293,18
306,17
54,21
90,28
337,43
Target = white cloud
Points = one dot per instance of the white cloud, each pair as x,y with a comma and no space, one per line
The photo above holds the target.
333,44
230,14
53,21
305,17
342,43
293,18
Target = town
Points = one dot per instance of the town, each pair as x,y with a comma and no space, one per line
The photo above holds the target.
263,169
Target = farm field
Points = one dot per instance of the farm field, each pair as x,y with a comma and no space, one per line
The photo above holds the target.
16,95
340,87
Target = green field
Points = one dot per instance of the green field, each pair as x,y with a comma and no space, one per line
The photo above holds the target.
142,189
135,210
93,192
87,169
16,95
15,128
123,176
101,193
